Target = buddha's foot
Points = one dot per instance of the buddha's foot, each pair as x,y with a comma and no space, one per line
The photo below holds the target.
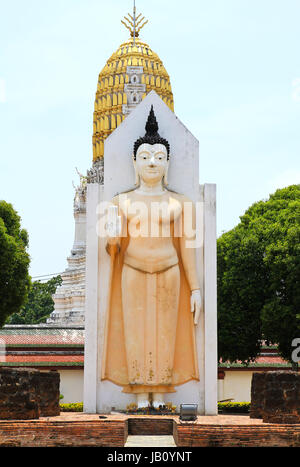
142,401
157,400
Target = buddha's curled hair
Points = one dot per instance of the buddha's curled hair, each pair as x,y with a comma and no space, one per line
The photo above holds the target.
151,135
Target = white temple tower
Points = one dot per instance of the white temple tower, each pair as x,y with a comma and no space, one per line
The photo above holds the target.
69,299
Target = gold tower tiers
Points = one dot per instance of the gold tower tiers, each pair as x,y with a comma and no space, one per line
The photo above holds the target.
128,76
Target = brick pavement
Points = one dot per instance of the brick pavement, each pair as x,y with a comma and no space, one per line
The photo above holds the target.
80,429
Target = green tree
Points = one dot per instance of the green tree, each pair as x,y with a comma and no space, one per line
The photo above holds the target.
258,278
39,304
14,262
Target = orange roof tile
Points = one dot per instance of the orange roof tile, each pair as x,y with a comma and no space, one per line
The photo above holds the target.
41,336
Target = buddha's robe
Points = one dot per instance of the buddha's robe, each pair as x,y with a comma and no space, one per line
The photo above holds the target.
149,336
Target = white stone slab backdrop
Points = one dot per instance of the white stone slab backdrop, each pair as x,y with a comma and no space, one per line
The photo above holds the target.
101,396
184,150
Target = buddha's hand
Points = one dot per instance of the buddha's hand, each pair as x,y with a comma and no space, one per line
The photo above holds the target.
196,304
113,225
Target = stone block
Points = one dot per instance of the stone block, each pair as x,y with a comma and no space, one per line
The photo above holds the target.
257,395
275,397
28,394
47,387
17,395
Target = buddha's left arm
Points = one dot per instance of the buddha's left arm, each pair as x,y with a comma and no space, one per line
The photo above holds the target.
187,244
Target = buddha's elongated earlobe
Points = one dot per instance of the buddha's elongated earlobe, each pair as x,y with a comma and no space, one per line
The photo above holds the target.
137,178
166,176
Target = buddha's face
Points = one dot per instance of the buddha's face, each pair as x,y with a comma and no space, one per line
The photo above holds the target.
151,162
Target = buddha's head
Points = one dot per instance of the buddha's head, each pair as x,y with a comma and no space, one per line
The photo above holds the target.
151,155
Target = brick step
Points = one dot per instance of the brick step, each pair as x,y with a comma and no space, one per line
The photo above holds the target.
150,426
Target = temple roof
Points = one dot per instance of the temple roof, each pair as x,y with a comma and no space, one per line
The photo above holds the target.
42,346
62,347
41,335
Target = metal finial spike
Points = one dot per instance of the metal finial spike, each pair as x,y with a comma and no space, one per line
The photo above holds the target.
134,23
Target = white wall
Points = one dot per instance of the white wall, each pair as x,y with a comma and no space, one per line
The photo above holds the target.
236,385
71,386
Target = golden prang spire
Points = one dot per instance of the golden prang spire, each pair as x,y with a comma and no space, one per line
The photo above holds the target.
135,23
128,76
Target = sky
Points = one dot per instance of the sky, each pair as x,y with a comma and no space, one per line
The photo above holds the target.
235,75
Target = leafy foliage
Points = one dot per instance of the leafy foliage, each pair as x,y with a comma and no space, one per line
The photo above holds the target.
72,407
14,262
258,278
234,407
39,304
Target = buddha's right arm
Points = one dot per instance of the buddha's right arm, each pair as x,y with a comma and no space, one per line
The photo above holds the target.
113,245
112,248
114,230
